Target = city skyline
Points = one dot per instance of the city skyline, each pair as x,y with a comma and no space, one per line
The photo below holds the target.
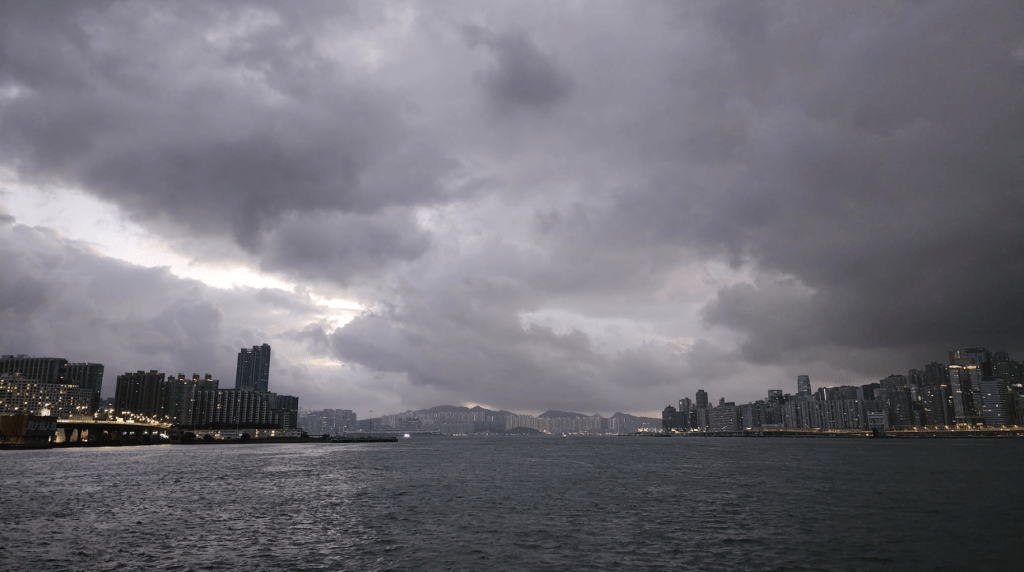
965,362
529,205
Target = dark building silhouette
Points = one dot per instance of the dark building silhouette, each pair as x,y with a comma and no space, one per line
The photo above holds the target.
724,418
803,385
966,370
141,393
669,419
897,401
702,399
685,413
933,394
253,370
87,376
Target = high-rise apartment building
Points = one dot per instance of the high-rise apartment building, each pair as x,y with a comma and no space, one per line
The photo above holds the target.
803,385
897,401
87,376
702,399
966,370
141,393
55,370
686,413
20,395
995,402
253,370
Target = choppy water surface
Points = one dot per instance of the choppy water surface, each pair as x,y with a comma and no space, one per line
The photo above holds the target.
518,503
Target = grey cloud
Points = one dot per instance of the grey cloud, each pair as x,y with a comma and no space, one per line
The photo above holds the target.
341,247
464,336
220,136
522,76
5,215
857,165
870,170
59,297
315,337
86,307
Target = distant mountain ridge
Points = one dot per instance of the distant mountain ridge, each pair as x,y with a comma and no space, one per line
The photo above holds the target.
549,414
458,409
554,413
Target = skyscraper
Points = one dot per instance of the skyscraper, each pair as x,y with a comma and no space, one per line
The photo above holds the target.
803,385
253,371
702,399
141,393
88,376
966,370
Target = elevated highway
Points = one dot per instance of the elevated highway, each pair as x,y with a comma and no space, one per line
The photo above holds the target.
82,430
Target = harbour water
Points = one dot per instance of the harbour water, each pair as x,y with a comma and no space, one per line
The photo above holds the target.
519,503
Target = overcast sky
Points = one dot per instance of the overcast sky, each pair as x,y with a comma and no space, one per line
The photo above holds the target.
587,206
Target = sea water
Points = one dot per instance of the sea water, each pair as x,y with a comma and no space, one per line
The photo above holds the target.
519,503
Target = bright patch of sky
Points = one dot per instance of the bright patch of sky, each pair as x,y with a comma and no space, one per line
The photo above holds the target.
80,217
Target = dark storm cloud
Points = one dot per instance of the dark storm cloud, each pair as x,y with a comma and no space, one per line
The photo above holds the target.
522,76
60,297
857,168
197,116
339,247
465,336
862,161
489,356
887,196
5,216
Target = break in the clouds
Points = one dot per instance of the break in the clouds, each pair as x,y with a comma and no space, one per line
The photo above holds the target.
525,204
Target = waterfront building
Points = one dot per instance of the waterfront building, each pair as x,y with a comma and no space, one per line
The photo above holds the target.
803,385
963,392
724,418
685,414
56,370
140,393
345,419
868,392
179,399
1005,368
808,411
253,368
233,408
1015,397
839,407
966,370
40,369
669,419
21,395
328,421
558,422
178,395
752,415
933,398
897,400
877,420
288,406
995,402
87,376
702,399
773,408
703,419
